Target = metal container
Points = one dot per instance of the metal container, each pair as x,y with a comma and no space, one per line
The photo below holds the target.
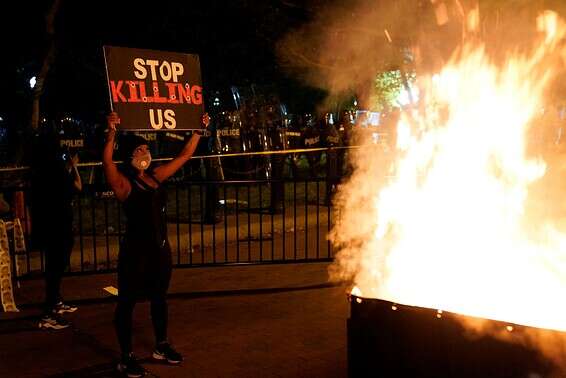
390,340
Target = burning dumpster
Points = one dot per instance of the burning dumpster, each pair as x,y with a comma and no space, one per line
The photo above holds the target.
386,339
456,240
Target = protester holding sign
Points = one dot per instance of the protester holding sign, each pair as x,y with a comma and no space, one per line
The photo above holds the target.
144,265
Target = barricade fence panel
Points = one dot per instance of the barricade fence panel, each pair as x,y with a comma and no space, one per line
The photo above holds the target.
282,215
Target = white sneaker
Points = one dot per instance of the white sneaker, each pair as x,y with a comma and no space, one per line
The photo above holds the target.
130,367
61,308
53,322
165,352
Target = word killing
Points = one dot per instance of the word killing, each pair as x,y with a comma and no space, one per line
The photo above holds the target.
177,93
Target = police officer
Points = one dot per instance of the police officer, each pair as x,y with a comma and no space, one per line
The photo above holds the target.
312,140
55,179
330,139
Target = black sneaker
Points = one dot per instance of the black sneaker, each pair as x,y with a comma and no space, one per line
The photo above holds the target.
164,351
61,308
130,367
53,321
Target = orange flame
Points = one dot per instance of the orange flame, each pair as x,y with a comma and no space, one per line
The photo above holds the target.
451,228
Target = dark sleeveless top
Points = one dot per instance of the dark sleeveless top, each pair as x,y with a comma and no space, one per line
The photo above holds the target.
144,266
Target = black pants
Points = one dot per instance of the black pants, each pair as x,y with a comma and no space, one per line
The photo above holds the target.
277,186
57,255
140,278
332,176
123,320
213,172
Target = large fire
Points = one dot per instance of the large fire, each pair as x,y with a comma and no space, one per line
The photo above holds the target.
455,223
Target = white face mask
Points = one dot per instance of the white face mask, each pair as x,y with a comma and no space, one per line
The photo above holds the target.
142,161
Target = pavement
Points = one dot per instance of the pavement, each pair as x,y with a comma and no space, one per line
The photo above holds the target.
280,320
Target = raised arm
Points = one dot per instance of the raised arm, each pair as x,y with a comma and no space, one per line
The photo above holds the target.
117,181
77,182
167,170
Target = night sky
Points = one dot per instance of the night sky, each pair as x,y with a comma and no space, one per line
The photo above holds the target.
235,40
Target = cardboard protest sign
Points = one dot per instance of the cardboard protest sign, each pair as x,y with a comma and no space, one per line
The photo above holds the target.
154,90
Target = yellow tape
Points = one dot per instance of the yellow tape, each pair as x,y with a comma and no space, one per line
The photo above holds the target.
257,153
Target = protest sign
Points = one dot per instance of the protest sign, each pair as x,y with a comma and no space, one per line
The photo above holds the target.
154,90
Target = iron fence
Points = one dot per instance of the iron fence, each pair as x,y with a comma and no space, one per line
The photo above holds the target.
210,222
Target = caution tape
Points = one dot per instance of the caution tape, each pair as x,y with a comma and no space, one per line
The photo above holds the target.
216,156
6,291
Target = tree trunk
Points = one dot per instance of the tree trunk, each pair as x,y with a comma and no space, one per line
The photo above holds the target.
47,63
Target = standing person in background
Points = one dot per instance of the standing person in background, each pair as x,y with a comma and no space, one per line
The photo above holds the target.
213,172
144,263
55,180
330,139
345,130
275,141
312,140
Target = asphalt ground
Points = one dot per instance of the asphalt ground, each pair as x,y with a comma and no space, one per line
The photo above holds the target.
281,320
